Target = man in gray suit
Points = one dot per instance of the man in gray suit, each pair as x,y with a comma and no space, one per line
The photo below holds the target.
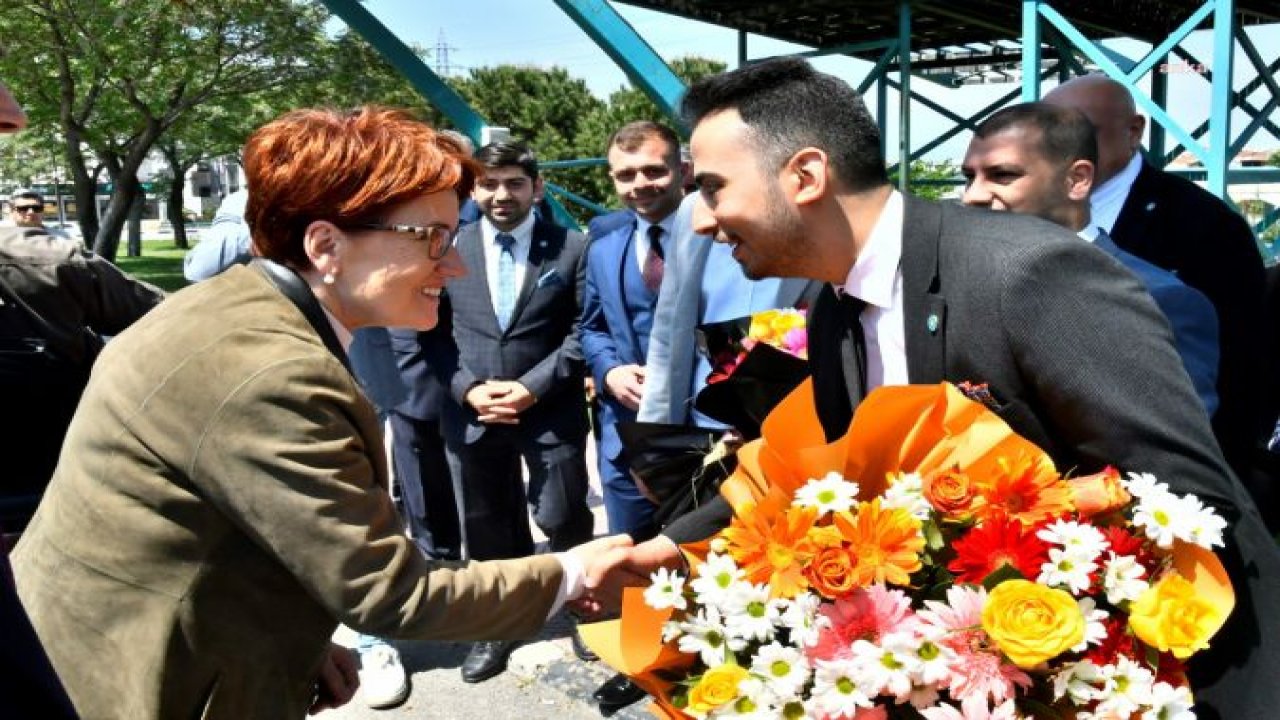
515,376
701,284
1074,351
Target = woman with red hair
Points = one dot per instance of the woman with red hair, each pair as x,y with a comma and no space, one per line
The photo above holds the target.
220,504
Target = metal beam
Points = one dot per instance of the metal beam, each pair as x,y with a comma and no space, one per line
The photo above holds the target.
642,64
1030,50
1220,96
407,62
904,97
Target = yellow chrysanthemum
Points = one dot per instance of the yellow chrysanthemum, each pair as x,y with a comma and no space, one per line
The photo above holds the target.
773,551
885,543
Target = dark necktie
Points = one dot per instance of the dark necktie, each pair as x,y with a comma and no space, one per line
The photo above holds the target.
853,351
654,262
506,279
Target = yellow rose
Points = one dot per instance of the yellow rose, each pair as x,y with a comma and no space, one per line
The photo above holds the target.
1031,623
1172,617
718,686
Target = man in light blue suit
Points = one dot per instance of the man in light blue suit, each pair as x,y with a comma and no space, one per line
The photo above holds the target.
625,267
1040,159
702,284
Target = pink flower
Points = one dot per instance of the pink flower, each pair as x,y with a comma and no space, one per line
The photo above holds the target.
796,342
970,710
868,614
978,674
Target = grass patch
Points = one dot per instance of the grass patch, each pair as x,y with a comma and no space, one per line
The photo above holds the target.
160,264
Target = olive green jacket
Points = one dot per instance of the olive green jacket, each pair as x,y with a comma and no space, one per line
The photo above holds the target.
219,507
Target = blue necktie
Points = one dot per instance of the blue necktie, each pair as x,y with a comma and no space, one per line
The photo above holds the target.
506,279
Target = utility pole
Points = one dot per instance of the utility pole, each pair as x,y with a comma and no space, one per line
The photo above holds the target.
443,68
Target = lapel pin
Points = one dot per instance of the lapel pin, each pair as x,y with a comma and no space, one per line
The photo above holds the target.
1151,206
932,323
542,243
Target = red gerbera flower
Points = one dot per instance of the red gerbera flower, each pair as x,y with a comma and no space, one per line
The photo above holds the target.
998,541
1118,642
1123,542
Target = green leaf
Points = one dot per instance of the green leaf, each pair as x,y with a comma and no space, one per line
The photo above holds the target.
1004,572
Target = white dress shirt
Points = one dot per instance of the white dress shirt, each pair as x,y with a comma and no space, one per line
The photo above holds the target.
642,237
876,279
523,233
1107,200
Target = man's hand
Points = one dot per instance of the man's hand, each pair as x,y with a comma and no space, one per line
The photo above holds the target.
517,398
492,402
338,680
605,563
626,383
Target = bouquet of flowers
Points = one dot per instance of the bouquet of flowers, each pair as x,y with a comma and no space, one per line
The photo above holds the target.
930,564
755,362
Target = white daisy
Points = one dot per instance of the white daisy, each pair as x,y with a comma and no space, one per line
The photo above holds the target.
1203,525
705,636
1142,485
1065,569
1126,688
1094,629
1078,682
667,590
906,491
754,702
933,657
1160,515
836,690
715,578
1084,541
1170,703
785,669
830,493
801,619
1122,578
885,668
749,614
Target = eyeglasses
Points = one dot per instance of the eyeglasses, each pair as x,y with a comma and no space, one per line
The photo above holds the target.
438,237
28,208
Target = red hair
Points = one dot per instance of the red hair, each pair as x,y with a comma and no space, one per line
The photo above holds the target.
344,167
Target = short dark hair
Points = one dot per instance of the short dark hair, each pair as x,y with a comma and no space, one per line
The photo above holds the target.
1066,135
508,154
633,134
26,194
789,106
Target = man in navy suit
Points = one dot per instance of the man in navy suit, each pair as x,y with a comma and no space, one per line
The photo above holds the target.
514,376
1178,225
624,271
1040,159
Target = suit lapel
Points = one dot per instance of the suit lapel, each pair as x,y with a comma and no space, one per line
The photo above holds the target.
1130,230
619,259
542,244
924,306
471,248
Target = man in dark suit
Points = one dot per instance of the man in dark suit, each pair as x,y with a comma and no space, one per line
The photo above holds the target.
1181,227
791,176
515,376
624,272
1039,159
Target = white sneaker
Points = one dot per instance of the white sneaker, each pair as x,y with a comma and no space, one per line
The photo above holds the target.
383,681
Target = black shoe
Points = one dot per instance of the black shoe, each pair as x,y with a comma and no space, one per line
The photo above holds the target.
580,648
485,660
616,693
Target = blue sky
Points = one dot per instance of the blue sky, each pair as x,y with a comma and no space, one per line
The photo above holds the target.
481,33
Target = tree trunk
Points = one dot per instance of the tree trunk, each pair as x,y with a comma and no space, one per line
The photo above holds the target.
178,171
84,188
126,189
134,246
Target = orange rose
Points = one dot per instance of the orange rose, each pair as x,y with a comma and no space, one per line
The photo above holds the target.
1098,493
831,573
950,492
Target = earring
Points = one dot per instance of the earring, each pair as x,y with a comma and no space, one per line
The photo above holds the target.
328,278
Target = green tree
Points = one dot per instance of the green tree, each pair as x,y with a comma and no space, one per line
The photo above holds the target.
116,75
933,180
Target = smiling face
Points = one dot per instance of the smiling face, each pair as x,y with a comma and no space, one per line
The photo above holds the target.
742,204
388,279
506,195
648,178
1004,172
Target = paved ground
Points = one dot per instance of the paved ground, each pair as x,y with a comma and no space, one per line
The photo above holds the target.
544,682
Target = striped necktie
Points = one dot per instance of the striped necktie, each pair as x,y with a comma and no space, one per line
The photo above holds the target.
506,279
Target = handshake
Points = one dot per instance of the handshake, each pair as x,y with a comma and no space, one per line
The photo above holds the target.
614,563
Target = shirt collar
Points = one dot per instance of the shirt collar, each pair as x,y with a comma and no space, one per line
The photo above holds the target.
642,225
873,274
1115,190
344,335
1089,233
522,232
